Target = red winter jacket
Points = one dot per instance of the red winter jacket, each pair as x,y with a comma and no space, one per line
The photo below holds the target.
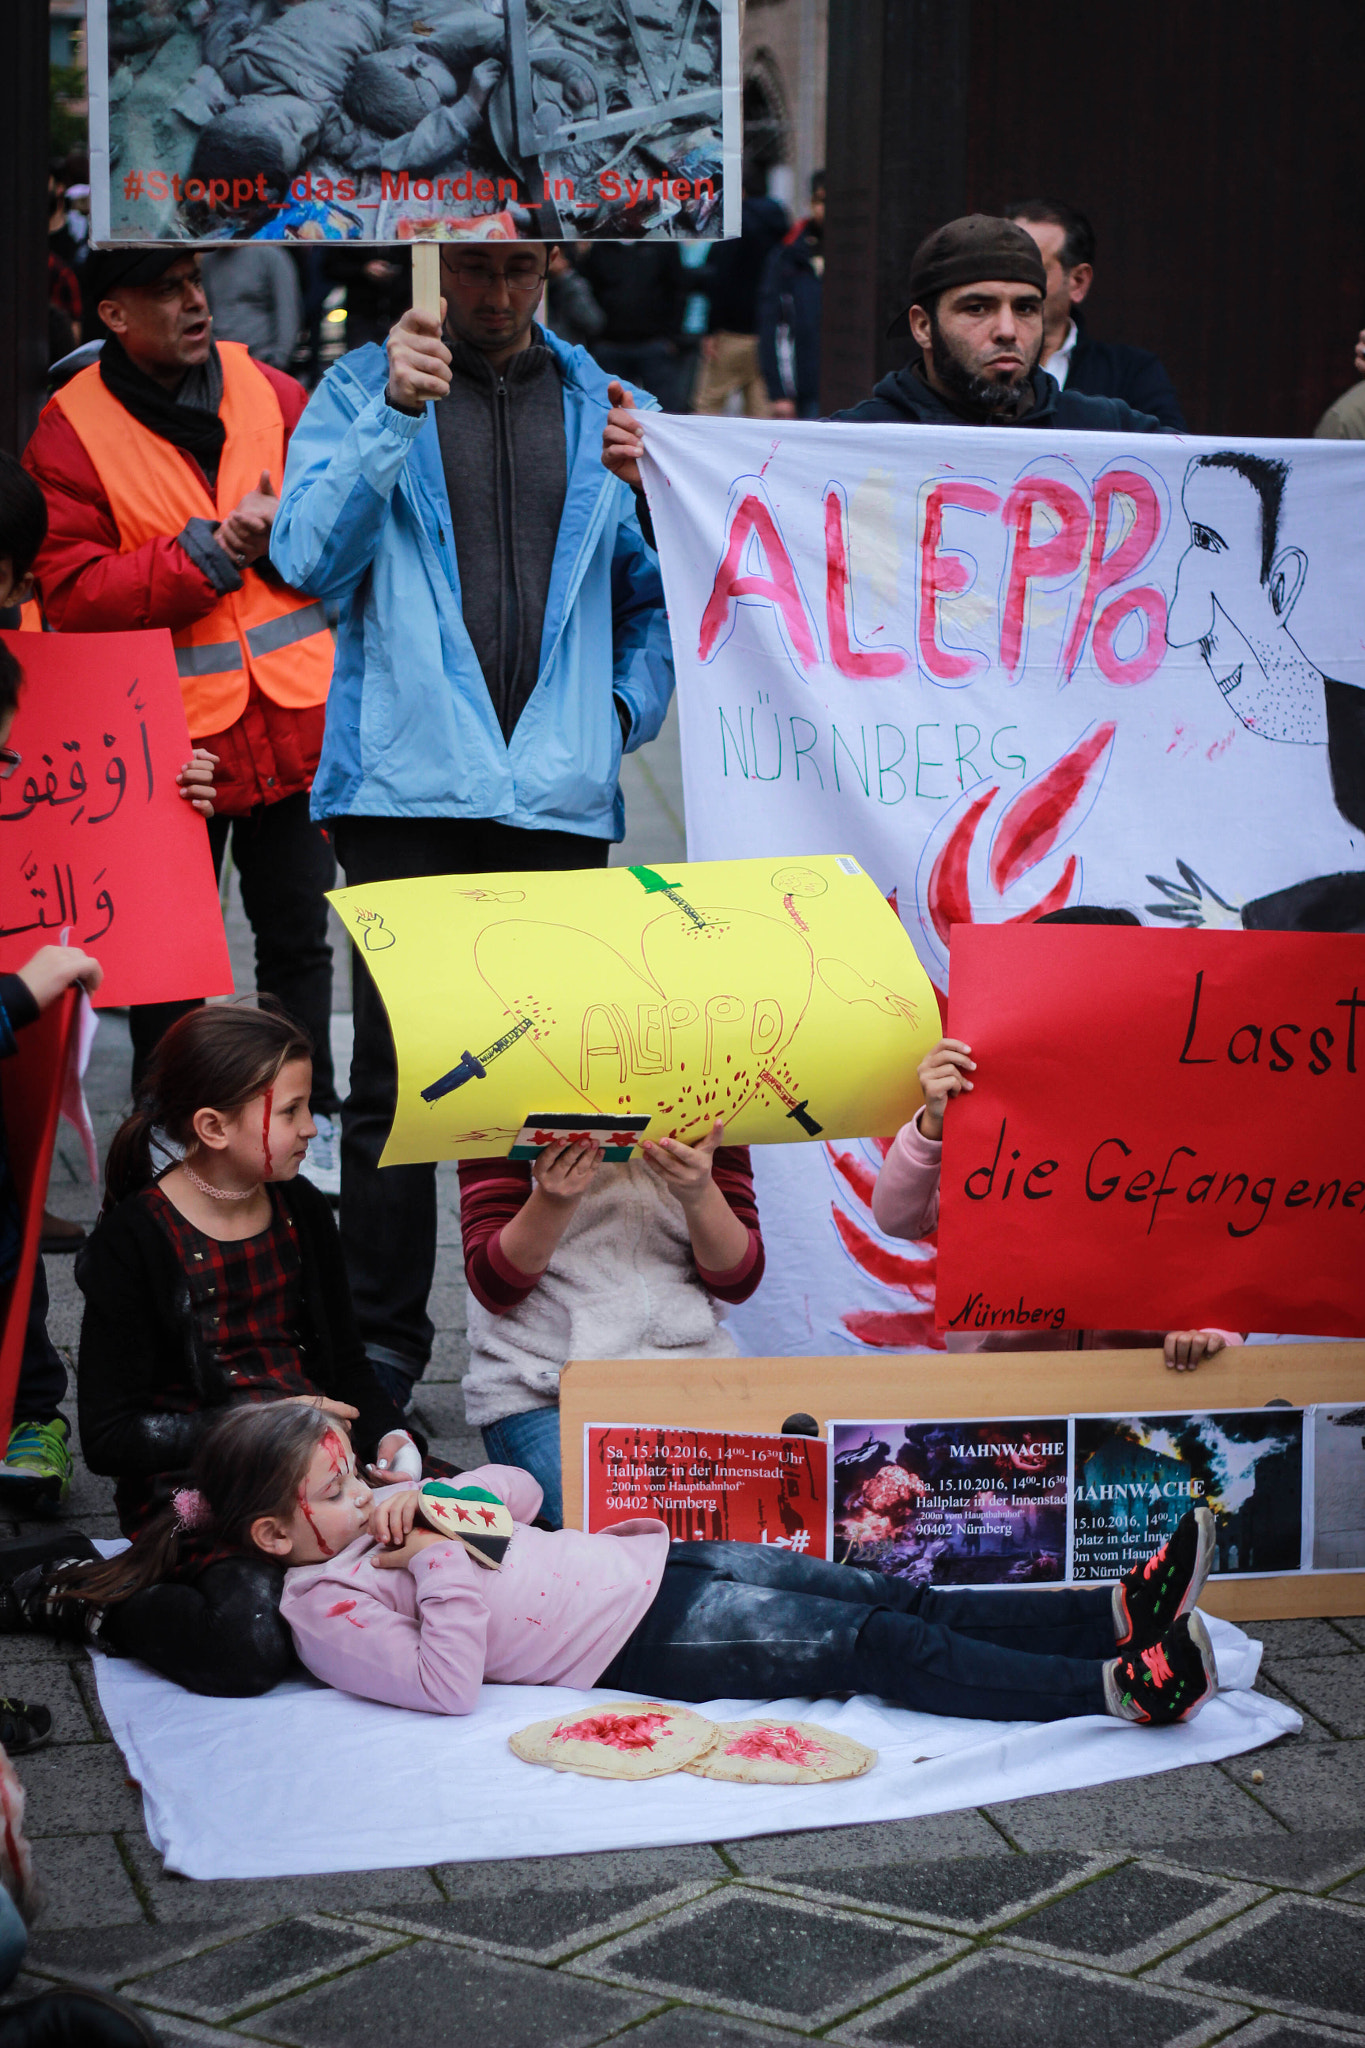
87,586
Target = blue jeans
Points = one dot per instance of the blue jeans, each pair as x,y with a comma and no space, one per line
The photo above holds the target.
532,1442
750,1621
13,1940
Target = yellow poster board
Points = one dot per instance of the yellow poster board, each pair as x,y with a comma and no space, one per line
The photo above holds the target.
783,996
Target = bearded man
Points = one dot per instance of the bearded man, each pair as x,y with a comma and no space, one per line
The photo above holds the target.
978,291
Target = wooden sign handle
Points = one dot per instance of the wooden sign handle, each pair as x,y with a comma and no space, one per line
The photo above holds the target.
426,278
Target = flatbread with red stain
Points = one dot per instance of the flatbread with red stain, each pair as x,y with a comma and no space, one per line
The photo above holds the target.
625,1739
782,1753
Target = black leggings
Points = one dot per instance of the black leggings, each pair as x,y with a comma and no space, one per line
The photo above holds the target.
750,1621
220,1633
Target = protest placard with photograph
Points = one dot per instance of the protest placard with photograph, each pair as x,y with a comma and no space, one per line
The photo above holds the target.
95,838
1136,1475
390,120
1338,1456
952,1503
710,1485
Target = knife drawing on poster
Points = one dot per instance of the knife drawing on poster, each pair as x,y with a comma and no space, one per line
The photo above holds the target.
619,993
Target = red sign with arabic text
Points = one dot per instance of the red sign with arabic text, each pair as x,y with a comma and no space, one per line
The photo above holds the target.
1166,1131
95,838
709,1485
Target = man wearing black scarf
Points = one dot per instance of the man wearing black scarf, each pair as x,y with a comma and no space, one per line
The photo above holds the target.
253,658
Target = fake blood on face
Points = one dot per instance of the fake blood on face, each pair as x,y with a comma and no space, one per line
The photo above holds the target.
617,1731
323,1545
265,1136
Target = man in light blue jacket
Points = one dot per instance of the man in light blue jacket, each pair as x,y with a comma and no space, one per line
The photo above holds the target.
502,643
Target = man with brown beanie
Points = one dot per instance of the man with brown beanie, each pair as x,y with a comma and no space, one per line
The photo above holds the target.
977,293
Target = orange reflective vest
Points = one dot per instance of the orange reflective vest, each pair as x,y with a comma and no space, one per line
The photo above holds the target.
31,617
263,633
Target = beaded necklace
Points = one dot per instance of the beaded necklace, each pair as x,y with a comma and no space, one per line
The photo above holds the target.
214,1194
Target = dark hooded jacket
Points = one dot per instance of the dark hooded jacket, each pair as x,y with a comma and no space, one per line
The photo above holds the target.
1110,369
148,1388
904,399
789,306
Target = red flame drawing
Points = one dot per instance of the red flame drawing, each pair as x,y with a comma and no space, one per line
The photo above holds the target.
1030,826
884,1329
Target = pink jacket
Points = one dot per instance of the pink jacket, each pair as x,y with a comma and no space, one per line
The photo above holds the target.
429,1634
905,1204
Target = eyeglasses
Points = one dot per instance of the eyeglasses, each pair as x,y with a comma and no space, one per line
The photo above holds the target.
10,758
480,277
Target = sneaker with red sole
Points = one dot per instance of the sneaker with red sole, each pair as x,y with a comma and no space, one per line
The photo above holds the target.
1156,1593
1168,1681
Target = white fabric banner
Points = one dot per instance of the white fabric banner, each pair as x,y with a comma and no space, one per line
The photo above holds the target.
1007,671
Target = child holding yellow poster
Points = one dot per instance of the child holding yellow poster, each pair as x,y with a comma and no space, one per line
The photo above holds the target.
576,1257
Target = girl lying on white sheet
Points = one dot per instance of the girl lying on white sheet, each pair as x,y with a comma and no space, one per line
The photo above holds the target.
382,1606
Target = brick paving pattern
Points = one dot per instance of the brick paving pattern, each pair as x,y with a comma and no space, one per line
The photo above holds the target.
1188,1908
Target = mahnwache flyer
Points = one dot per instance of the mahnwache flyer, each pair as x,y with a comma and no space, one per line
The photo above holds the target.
959,1503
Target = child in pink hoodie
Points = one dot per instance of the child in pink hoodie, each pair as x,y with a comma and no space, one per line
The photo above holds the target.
382,1606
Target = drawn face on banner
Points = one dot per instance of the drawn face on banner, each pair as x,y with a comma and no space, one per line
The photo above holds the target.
1235,589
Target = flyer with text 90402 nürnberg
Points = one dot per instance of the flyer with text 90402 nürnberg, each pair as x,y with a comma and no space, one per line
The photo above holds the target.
956,1503
709,1484
1136,1475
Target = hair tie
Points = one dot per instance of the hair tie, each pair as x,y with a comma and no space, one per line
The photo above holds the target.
191,1509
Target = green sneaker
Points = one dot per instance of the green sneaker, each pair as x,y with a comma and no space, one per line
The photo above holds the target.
35,1474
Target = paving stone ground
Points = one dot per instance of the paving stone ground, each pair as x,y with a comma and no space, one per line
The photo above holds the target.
1198,1906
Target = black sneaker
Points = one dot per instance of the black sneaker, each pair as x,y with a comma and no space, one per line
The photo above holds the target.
1170,1680
23,1726
27,1605
23,1563
1153,1594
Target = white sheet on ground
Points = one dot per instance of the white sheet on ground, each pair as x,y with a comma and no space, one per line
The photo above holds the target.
249,1788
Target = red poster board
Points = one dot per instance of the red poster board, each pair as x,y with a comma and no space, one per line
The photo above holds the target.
1167,1131
709,1485
94,835
30,1096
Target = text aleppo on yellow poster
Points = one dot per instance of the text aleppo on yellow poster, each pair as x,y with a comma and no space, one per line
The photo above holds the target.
781,995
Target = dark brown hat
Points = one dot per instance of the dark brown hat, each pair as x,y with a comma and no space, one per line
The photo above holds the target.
117,268
968,251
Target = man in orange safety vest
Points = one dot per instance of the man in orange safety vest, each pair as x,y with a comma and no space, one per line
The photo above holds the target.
161,466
